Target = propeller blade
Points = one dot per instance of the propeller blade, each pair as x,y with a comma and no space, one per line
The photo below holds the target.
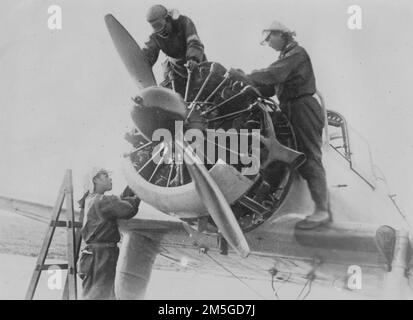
215,203
130,53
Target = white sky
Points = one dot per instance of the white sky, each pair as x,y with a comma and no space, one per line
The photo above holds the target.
65,95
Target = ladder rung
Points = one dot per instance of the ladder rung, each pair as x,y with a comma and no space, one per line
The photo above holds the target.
65,224
62,266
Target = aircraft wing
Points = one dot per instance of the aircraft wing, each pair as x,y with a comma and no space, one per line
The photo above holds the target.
330,256
32,210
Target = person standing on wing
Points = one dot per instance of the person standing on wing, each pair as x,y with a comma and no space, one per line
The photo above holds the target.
292,79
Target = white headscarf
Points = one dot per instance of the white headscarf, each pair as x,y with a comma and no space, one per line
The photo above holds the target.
275,26
88,184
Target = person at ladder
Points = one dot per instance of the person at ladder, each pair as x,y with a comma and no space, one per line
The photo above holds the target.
97,262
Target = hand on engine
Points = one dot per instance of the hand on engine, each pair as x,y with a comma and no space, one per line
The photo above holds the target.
127,192
191,65
237,74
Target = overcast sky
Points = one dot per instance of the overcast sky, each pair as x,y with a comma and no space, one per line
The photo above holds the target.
65,95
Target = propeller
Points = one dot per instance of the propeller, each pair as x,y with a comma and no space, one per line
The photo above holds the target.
159,107
215,202
130,53
161,100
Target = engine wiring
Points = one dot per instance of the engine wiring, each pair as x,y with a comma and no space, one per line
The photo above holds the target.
274,280
308,284
311,276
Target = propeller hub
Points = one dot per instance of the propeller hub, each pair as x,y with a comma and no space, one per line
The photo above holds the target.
157,108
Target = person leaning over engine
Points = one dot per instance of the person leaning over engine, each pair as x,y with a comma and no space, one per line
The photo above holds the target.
292,79
97,262
176,36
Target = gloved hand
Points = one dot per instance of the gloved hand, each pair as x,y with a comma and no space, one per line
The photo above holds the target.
127,192
236,74
130,196
191,65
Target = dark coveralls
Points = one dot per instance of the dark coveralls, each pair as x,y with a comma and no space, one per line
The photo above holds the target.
97,262
293,79
182,44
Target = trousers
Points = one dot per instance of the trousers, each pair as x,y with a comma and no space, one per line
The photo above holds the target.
97,269
307,119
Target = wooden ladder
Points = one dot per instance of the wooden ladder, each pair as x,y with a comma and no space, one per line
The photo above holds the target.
73,241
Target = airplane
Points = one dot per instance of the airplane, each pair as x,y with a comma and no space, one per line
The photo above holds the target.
219,221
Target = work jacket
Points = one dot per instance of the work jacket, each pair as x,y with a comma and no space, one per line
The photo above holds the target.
182,44
291,76
100,220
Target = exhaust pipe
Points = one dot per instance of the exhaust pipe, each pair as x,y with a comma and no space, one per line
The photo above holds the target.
277,151
292,158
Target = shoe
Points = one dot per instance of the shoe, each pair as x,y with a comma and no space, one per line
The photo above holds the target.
318,218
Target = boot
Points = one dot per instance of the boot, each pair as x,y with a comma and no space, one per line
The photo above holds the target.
318,218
